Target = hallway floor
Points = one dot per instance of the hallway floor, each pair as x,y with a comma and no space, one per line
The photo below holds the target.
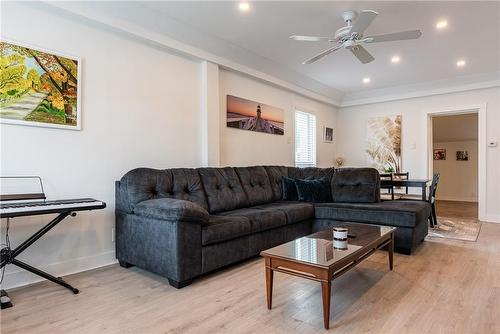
457,209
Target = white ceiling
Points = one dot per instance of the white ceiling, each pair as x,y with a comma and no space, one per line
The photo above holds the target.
259,39
455,128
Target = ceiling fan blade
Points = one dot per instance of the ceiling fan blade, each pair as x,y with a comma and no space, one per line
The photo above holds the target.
365,18
309,38
397,36
322,54
362,55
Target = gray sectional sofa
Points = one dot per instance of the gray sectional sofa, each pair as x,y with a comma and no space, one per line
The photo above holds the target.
182,223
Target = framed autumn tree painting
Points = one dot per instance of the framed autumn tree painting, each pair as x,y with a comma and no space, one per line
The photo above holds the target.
39,87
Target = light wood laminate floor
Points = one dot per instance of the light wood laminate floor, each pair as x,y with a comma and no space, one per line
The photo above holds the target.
447,286
457,209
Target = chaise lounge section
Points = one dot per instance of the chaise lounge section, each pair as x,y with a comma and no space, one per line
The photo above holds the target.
182,223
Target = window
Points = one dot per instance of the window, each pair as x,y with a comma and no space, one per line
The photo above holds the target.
305,139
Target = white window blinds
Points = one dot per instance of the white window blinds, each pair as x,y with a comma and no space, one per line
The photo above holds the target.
305,139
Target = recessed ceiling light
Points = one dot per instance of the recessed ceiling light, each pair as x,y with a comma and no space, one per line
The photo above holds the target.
461,63
244,6
366,80
395,59
442,24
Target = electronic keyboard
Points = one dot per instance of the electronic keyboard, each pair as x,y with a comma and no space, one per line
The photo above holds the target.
30,208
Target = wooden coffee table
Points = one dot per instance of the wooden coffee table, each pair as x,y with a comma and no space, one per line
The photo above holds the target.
314,257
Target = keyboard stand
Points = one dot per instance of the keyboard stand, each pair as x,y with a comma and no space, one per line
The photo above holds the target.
9,257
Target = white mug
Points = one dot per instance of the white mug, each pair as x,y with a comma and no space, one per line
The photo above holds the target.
340,233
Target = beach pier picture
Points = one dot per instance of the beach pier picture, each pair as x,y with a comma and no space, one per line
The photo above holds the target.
253,116
38,88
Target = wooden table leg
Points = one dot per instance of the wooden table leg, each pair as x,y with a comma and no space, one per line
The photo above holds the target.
326,288
269,283
391,252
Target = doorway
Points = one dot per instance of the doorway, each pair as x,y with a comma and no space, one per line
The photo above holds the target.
455,156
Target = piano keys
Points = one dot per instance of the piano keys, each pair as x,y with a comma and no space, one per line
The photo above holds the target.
30,208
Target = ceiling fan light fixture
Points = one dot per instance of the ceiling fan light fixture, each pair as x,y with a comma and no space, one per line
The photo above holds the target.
366,80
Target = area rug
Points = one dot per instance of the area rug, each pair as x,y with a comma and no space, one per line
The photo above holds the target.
456,228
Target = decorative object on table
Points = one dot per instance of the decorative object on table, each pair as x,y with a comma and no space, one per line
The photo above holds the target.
327,134
456,228
384,143
462,156
340,233
339,161
250,115
39,87
340,238
439,154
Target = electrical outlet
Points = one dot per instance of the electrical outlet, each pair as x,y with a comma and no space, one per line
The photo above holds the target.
112,234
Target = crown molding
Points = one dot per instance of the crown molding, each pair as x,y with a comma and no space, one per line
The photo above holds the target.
418,90
81,11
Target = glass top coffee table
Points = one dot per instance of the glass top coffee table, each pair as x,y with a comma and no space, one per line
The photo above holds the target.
320,258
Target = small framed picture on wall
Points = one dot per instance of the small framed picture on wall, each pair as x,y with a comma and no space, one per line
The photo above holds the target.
462,156
439,154
327,134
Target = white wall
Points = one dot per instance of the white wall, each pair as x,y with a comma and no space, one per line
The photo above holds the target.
140,107
243,148
458,179
352,133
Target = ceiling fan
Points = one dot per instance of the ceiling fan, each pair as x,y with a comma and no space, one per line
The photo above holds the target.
351,36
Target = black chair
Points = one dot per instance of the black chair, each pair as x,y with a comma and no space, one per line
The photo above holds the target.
431,199
390,189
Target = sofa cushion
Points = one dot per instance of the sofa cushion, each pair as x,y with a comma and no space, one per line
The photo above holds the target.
171,209
260,219
275,174
295,211
356,185
315,190
310,172
391,213
289,189
223,189
143,184
222,228
256,184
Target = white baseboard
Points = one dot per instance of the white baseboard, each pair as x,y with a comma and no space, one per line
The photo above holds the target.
22,277
491,219
456,198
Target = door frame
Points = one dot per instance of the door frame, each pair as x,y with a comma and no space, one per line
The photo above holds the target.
480,110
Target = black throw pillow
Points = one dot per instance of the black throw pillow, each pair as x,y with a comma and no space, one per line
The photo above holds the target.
289,189
316,190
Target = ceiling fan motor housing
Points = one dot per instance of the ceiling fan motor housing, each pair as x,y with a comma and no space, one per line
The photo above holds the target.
343,34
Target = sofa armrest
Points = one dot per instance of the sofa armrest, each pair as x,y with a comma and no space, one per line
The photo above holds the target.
171,209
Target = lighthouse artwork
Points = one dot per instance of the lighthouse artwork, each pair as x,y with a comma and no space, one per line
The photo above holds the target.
249,115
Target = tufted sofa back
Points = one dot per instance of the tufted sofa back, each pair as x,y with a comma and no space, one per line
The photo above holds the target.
215,189
356,185
275,173
223,189
310,172
256,185
142,184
